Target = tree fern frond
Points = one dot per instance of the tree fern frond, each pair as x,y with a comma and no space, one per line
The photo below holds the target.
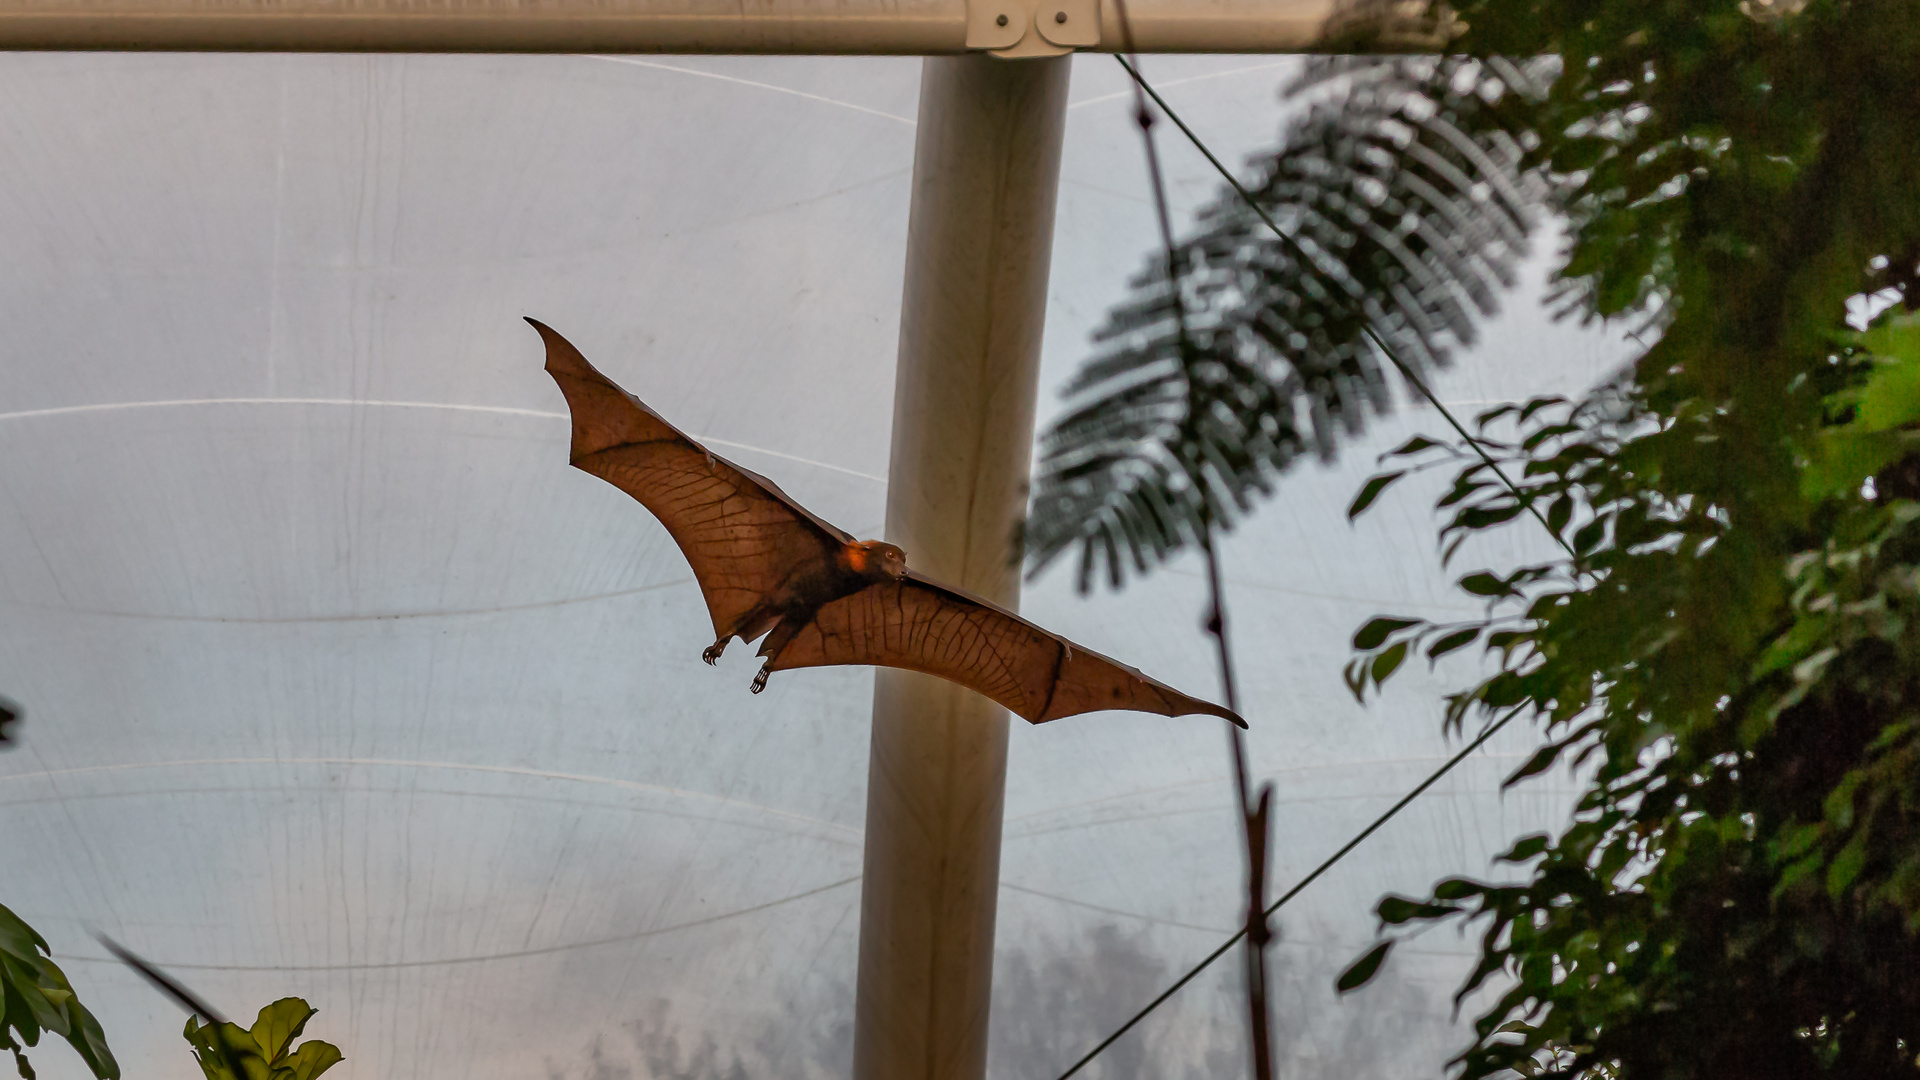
1409,199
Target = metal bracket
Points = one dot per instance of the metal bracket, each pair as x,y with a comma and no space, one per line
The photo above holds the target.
1016,28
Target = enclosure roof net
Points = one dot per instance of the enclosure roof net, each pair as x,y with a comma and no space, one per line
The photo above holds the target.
339,683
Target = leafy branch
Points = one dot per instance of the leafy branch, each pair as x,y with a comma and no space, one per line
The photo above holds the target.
1746,842
37,998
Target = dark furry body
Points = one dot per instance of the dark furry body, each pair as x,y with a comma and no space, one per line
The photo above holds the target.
793,606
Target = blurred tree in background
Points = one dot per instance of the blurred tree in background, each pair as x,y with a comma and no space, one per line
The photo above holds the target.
1729,647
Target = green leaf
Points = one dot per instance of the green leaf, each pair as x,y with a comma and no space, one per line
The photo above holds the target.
216,1040
1462,489
1363,969
314,1057
278,1025
1481,517
1355,674
1488,416
211,1043
1370,491
1412,446
1793,646
1484,584
1891,396
1540,762
1797,872
266,1052
23,985
1838,804
1527,848
1844,458
1846,866
1503,690
1394,910
1449,642
86,1037
1379,629
1560,513
35,996
1387,661
1539,403
18,938
1458,889
1504,639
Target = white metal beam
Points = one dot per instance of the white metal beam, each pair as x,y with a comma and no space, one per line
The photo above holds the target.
895,27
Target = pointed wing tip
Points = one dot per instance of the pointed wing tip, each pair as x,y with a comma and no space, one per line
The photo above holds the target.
1179,704
548,334
1208,708
562,357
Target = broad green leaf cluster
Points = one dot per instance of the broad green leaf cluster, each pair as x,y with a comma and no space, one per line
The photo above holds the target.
266,1051
1732,650
1739,894
1728,651
36,997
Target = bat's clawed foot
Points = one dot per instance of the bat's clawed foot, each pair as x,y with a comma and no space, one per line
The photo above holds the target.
760,680
712,652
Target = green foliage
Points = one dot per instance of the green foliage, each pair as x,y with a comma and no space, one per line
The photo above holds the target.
34,993
1740,890
1729,651
266,1052
1880,412
35,996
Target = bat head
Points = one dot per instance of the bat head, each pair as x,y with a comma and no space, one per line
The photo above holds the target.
878,558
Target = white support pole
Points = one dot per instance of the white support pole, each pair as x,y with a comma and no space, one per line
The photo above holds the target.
979,238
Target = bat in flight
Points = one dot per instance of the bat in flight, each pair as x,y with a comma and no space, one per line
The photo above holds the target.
768,566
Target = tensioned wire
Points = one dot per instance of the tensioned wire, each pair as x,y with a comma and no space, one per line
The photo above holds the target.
1295,891
1365,327
1418,384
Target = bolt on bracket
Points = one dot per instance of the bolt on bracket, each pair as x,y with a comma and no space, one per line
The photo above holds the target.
1017,28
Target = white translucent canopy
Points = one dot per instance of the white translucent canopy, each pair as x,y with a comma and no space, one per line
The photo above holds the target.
339,683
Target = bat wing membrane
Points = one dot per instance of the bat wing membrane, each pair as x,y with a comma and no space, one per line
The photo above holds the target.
923,626
743,536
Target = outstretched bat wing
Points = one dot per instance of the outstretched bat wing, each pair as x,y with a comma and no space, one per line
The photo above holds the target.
924,626
743,536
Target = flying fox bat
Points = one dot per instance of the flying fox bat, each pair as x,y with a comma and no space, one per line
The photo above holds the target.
768,566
